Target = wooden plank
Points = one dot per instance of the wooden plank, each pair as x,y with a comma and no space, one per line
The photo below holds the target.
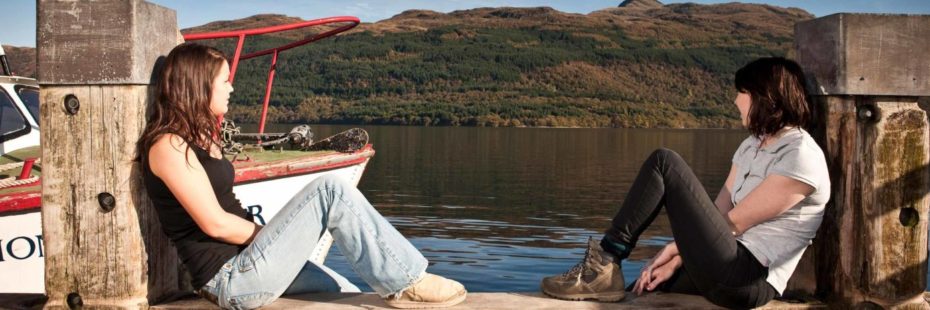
840,151
865,54
900,178
121,257
872,246
102,42
332,301
105,50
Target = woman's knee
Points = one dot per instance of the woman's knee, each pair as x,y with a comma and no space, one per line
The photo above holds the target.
327,182
327,186
666,160
665,155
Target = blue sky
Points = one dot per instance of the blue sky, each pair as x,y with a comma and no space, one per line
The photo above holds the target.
18,23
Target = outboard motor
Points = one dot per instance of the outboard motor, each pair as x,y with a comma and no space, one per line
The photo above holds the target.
301,136
4,65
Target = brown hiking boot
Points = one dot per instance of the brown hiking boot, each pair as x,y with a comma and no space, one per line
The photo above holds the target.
431,291
595,277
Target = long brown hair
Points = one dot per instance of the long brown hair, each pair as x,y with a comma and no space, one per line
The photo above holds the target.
183,90
779,99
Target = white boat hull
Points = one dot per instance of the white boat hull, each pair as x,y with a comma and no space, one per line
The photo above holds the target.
22,257
22,260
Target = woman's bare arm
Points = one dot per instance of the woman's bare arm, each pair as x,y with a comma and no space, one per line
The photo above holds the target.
171,160
774,195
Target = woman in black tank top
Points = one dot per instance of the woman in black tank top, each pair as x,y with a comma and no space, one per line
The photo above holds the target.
234,262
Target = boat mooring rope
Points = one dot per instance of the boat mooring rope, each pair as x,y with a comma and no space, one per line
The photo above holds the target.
15,165
12,181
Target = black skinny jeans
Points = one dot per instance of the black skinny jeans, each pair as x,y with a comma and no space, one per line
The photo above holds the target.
714,265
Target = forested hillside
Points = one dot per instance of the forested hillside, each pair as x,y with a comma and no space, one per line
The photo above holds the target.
643,64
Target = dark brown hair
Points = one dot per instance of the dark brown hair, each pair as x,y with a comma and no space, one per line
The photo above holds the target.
779,99
183,88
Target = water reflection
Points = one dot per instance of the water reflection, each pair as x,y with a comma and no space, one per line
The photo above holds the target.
499,208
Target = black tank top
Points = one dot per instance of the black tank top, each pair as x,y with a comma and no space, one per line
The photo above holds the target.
202,255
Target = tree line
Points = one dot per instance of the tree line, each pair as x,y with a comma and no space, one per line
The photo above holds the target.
473,76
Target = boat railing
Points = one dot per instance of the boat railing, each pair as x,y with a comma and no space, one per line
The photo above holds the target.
350,22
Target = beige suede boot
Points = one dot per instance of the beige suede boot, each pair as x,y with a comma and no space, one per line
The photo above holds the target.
431,291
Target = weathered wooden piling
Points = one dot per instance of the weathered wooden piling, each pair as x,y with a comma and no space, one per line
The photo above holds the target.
103,245
866,72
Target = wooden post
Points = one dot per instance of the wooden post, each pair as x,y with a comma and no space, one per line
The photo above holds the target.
866,72
104,248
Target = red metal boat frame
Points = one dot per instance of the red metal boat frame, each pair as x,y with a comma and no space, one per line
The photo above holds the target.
241,34
32,199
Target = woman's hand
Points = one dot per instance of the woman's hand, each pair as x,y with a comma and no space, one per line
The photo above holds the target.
659,269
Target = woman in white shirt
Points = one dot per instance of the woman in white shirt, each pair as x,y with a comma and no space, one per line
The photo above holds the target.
738,250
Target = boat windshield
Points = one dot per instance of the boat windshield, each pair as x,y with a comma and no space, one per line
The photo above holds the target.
30,97
12,122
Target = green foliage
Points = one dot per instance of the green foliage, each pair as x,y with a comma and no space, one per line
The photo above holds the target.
483,76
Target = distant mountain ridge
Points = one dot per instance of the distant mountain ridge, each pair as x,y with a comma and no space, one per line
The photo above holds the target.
22,60
641,64
665,20
641,4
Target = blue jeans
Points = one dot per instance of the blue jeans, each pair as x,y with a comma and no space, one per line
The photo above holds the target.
276,261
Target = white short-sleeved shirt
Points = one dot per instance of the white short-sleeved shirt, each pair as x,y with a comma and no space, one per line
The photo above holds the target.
779,242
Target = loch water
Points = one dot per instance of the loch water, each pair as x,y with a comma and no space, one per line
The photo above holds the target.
500,208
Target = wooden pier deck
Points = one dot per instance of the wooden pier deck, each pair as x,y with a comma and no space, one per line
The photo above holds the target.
523,300
526,300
